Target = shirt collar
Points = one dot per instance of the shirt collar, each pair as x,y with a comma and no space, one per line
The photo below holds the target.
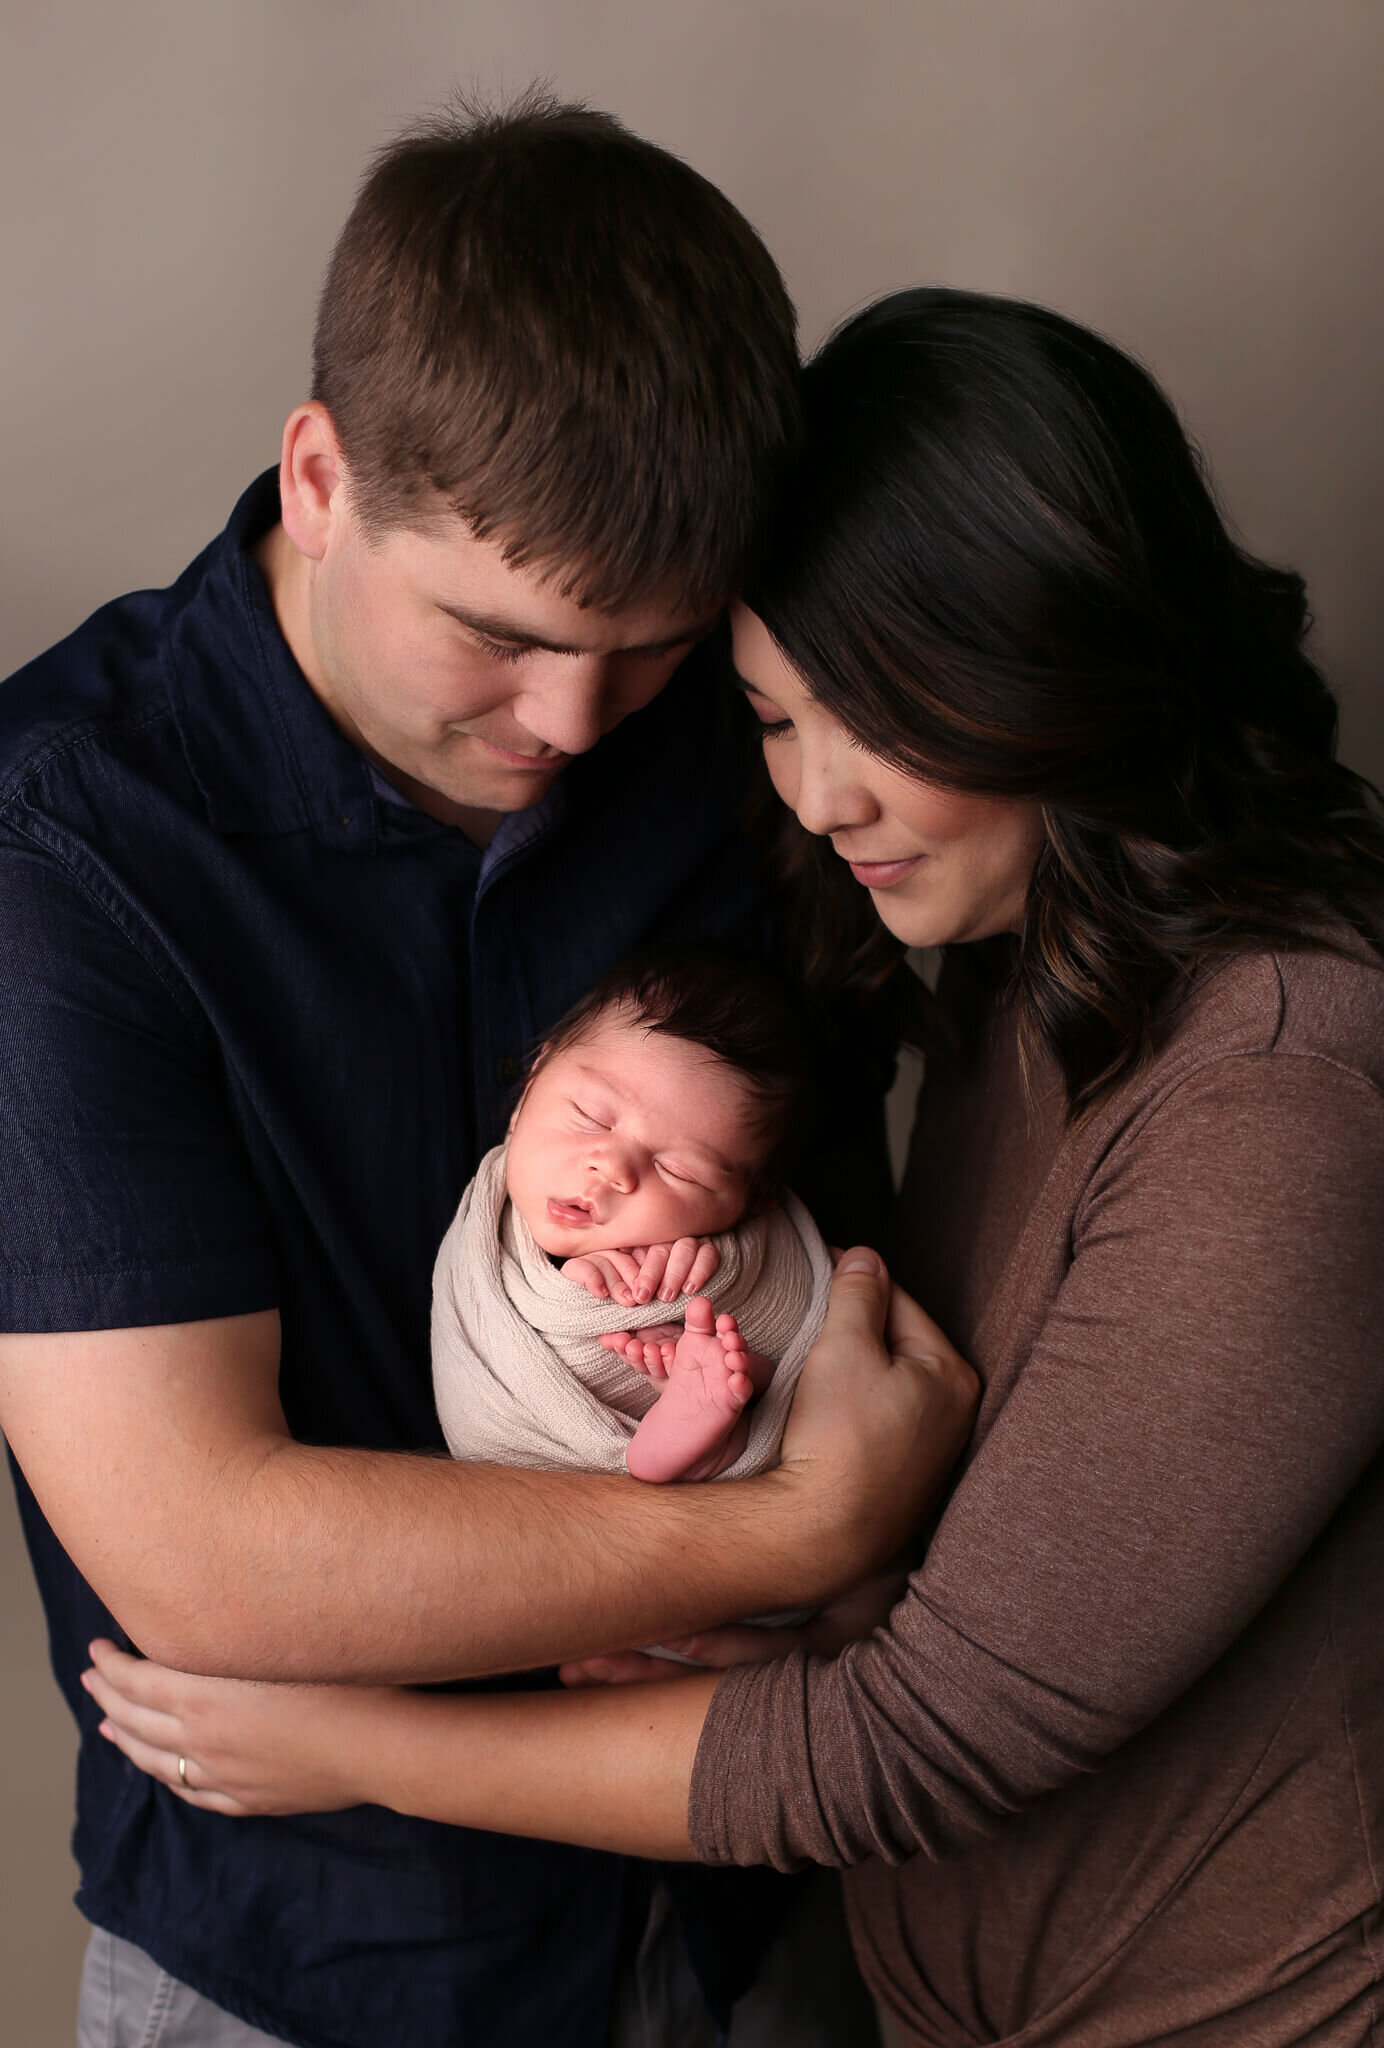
266,754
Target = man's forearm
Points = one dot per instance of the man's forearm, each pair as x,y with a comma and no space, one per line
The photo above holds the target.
345,1564
161,1458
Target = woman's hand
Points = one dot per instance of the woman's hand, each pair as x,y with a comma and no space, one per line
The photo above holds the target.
597,1768
848,1618
246,1747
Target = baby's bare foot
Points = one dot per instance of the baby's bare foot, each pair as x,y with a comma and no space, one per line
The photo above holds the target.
648,1350
696,1427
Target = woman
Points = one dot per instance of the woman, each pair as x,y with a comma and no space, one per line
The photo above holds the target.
1114,1771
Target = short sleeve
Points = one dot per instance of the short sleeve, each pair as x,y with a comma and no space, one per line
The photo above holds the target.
125,1195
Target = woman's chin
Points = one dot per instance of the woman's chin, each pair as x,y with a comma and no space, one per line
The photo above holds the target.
915,923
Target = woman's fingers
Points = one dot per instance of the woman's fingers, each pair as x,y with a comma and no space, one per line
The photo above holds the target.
150,1725
720,1648
621,1667
157,1764
151,1736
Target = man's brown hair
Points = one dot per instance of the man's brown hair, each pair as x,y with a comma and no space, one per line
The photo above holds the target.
565,334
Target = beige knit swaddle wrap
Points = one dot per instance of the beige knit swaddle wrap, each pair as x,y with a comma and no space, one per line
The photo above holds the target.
519,1376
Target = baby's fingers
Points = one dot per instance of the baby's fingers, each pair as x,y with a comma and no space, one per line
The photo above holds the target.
704,1264
619,1273
586,1273
653,1263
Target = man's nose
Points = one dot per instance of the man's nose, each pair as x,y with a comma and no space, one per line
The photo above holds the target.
569,704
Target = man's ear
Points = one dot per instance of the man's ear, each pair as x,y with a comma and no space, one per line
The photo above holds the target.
311,476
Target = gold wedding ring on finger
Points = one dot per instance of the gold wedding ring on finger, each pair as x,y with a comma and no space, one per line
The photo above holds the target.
182,1774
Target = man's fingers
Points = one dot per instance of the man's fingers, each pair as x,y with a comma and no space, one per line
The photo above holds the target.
859,1299
911,1333
910,1329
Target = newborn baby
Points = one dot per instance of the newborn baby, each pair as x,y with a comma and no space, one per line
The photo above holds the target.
643,1167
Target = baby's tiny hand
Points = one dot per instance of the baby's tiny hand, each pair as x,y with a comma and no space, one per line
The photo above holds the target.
609,1275
684,1267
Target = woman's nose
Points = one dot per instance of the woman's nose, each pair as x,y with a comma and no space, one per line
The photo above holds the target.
830,795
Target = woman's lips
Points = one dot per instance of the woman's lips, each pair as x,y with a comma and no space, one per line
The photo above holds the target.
882,874
573,1214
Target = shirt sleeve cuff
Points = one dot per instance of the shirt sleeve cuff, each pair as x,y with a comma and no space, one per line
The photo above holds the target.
122,1297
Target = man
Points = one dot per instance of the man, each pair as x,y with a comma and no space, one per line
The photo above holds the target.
297,859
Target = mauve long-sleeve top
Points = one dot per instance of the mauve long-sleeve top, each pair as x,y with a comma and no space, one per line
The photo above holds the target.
1114,1773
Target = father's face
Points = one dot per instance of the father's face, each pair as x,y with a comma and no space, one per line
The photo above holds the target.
469,679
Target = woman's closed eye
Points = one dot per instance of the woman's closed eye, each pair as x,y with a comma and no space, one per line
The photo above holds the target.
772,722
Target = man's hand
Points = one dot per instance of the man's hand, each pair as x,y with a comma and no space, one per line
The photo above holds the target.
163,1462
881,1413
635,1276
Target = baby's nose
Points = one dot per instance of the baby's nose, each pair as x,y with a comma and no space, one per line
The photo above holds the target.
619,1167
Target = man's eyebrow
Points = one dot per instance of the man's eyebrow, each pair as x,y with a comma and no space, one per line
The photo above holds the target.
492,627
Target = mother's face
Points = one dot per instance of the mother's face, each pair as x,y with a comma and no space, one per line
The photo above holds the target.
941,865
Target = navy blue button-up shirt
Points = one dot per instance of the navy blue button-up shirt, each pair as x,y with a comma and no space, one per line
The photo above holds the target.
259,1019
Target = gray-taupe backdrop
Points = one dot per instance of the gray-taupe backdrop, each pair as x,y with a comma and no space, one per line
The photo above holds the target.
1198,178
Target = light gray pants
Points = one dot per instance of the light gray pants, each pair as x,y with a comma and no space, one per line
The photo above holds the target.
127,2001
807,1994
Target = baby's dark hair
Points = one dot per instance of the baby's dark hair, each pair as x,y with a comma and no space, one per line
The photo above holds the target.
738,1010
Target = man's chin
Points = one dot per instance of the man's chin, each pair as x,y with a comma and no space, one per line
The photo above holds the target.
462,800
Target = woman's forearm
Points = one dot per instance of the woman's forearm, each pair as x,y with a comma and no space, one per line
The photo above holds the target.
604,1768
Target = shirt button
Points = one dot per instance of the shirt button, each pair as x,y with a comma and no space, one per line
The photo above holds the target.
507,1070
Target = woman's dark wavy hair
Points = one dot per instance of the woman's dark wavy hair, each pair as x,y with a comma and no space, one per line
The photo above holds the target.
1002,567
